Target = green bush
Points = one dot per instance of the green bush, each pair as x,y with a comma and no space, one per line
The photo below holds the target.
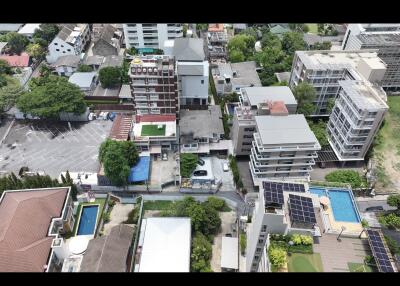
106,217
391,221
133,216
235,171
277,256
216,203
347,176
306,240
201,253
296,238
393,245
369,259
188,164
301,248
394,201
243,243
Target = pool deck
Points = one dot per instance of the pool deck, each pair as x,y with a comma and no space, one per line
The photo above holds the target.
80,214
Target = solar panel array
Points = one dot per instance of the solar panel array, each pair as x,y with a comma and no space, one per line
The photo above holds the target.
301,209
379,251
273,191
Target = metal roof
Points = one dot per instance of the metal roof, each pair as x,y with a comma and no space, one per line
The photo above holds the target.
82,79
230,252
189,49
257,95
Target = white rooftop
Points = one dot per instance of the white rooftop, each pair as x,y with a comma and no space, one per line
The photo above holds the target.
170,128
82,79
284,130
230,253
257,95
29,29
166,245
364,94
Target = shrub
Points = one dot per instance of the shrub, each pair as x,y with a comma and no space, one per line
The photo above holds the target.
106,217
188,164
296,238
306,240
201,253
391,220
111,203
110,76
394,201
277,256
393,245
243,243
133,216
364,223
369,259
216,203
347,176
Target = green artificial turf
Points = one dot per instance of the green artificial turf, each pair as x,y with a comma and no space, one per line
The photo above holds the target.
152,130
359,267
299,262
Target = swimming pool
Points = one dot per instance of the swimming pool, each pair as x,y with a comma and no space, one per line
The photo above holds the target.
342,203
87,222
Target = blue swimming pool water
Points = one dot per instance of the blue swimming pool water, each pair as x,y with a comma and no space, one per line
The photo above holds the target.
87,222
341,202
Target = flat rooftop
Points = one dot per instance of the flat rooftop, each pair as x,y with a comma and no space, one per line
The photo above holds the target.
338,59
257,95
246,73
150,129
364,94
165,245
392,39
283,130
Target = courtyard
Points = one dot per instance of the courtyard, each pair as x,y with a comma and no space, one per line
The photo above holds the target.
52,147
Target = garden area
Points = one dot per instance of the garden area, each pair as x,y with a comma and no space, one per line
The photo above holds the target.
353,178
153,130
188,164
293,253
236,175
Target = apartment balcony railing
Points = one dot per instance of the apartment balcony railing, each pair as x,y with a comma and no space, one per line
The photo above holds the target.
262,148
260,157
262,164
256,171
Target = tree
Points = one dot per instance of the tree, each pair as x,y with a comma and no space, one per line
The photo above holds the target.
251,31
201,253
84,68
110,76
292,42
277,256
321,29
184,30
323,46
236,56
9,93
394,201
305,95
16,42
347,176
118,157
319,130
46,32
216,203
271,40
282,83
243,43
392,221
5,68
330,105
35,50
201,27
54,95
303,28
188,164
132,51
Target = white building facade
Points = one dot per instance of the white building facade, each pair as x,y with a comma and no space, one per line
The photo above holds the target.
150,35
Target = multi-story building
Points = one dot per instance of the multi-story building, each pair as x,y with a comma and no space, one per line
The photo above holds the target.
269,100
355,119
192,70
388,45
71,40
323,70
153,84
284,147
151,35
276,212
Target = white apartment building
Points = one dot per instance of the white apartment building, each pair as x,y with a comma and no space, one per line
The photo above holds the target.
71,40
274,214
356,117
284,147
257,101
192,70
323,69
385,38
150,35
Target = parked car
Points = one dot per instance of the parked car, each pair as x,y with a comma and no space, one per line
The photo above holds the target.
374,209
228,235
199,173
225,167
200,162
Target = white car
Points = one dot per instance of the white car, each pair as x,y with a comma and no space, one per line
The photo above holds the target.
225,167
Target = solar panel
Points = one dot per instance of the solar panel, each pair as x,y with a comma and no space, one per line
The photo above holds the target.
301,209
379,251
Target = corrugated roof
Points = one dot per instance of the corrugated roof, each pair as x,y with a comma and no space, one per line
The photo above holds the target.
189,49
155,118
17,61
230,252
82,79
69,60
25,221
121,127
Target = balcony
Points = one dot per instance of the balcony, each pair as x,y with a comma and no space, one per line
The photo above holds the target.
260,157
262,148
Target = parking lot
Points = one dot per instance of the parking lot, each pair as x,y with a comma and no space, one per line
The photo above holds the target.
163,171
219,174
53,147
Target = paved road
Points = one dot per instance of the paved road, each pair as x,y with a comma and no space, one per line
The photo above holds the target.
362,205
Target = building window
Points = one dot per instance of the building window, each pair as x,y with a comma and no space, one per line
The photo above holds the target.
202,81
57,50
62,46
249,129
264,228
56,44
68,50
261,241
258,249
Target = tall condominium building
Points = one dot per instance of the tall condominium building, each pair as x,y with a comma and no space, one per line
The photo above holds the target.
324,69
387,41
355,119
267,100
153,85
151,35
284,147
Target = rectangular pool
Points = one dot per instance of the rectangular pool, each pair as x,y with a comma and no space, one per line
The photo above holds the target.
87,222
342,203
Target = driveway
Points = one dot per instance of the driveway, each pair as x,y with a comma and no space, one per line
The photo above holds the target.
163,171
226,177
244,171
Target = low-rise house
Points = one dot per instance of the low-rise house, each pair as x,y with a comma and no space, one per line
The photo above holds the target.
17,61
109,253
86,81
28,29
108,42
238,28
94,62
279,30
283,76
6,28
66,65
32,221
253,101
71,40
202,131
159,240
112,61
231,77
217,38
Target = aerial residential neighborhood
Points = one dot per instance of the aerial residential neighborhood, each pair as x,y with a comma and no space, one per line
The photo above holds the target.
209,147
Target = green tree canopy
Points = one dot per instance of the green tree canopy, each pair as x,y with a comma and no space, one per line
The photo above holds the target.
394,201
110,76
188,164
243,43
270,40
347,176
201,253
46,32
5,68
323,46
9,93
35,50
277,256
319,129
84,68
16,42
236,56
292,42
54,95
305,95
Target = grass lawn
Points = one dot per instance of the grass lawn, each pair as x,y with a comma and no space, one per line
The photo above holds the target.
152,130
100,202
299,262
359,267
157,205
313,28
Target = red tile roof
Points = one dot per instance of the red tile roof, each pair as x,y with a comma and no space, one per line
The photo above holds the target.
278,108
155,118
25,221
17,61
121,127
215,27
